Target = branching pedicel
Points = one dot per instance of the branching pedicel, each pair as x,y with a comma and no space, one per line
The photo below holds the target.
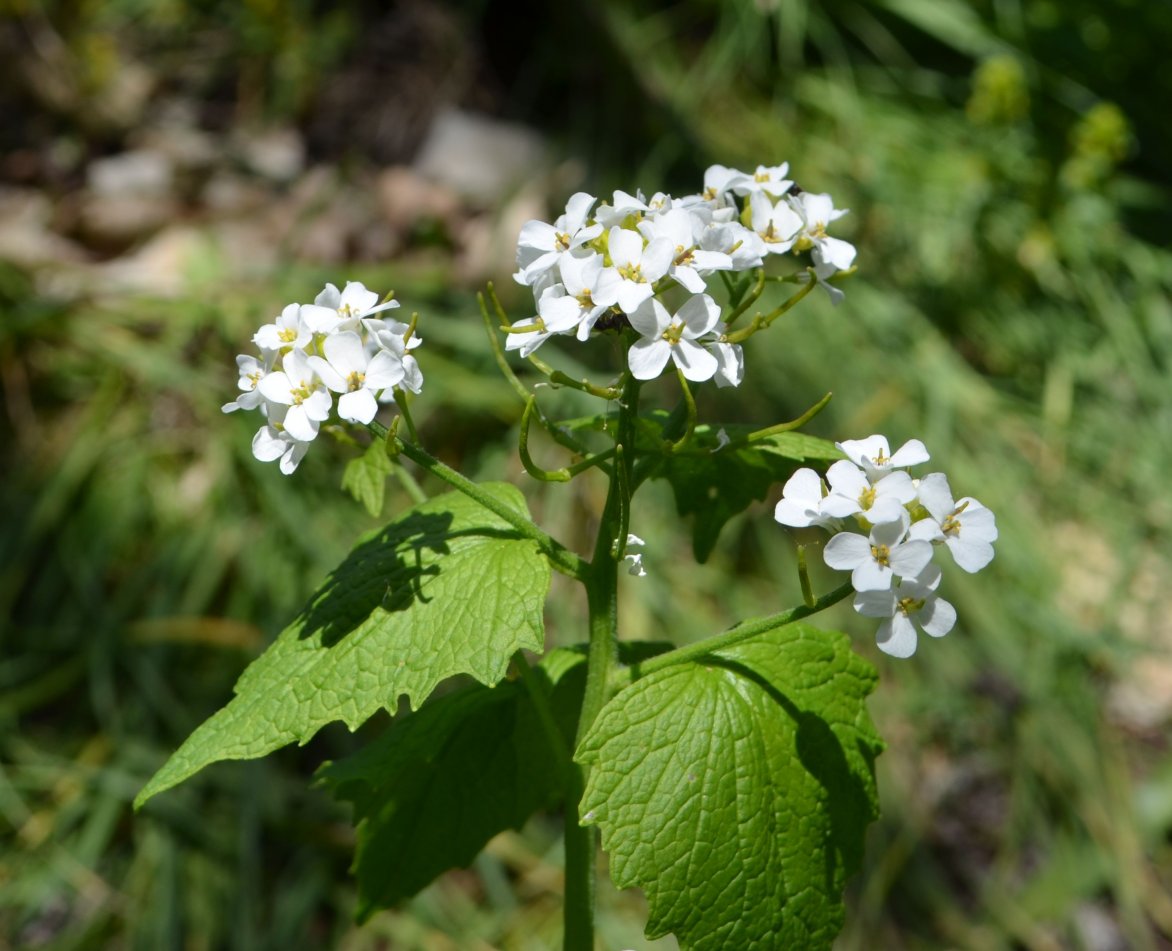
732,779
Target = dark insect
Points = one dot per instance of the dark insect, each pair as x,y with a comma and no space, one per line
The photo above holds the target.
612,320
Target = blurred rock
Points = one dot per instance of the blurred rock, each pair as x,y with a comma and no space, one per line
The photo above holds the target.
129,197
275,154
326,219
139,173
184,256
229,193
245,248
26,238
324,239
488,242
406,198
186,148
480,158
160,267
113,224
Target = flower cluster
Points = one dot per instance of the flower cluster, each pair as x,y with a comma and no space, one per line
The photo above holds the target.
312,351
597,267
906,521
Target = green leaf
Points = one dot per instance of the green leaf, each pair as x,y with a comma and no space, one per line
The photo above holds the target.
736,791
713,484
438,784
365,478
447,588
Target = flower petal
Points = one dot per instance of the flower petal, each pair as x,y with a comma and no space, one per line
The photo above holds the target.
647,358
846,551
695,361
897,637
909,559
937,617
358,407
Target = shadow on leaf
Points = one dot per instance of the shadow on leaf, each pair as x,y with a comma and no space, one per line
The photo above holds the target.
386,570
821,753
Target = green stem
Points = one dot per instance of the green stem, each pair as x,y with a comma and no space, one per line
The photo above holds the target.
541,705
401,402
602,656
579,907
556,432
761,321
748,300
498,354
732,637
559,556
690,403
564,474
558,378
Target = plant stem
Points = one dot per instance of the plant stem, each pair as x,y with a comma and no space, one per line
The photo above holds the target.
602,604
734,636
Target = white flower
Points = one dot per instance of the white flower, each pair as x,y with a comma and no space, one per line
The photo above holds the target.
674,337
817,211
635,558
390,335
730,362
252,371
348,369
682,230
288,330
852,493
273,442
874,455
874,561
801,501
719,181
559,314
298,387
768,179
912,603
574,305
745,248
622,206
967,527
777,225
540,244
636,267
334,310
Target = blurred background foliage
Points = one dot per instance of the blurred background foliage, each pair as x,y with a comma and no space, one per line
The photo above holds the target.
1006,163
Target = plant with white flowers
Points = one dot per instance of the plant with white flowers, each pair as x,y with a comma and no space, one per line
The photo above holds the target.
731,778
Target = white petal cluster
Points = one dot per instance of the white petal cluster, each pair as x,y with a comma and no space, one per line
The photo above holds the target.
616,260
904,523
310,352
